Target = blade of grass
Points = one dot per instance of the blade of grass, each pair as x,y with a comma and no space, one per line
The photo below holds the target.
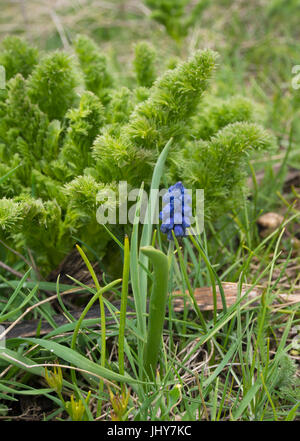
124,296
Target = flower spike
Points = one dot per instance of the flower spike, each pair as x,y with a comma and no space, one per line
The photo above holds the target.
176,211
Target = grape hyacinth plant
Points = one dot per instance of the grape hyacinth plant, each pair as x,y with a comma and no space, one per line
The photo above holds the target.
176,211
175,216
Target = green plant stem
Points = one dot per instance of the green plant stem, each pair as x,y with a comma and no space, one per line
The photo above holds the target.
87,308
124,296
103,322
212,276
188,284
170,253
269,396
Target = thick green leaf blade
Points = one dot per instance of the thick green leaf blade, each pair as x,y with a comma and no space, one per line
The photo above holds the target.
147,229
81,362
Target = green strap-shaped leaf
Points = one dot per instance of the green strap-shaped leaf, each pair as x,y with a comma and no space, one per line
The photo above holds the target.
157,307
147,229
67,354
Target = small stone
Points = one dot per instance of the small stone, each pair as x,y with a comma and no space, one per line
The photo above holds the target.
269,222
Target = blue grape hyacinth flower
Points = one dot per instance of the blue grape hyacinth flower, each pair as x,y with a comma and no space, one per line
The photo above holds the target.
176,211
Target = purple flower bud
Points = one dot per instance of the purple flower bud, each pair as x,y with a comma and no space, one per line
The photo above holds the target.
176,211
178,230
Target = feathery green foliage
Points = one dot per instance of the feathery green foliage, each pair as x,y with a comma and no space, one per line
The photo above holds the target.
84,123
94,67
17,57
173,15
219,165
53,83
172,101
286,383
216,113
66,134
144,64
